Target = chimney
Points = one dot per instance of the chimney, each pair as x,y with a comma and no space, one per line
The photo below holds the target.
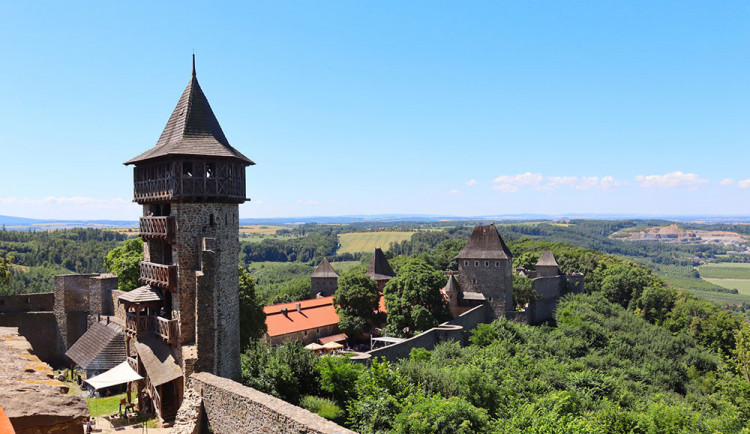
299,307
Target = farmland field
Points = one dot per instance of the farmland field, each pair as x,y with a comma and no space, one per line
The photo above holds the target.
261,229
725,270
367,241
741,285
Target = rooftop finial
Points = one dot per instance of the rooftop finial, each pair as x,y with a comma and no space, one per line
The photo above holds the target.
193,64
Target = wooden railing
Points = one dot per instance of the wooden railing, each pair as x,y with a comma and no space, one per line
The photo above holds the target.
166,328
158,275
135,324
157,228
133,363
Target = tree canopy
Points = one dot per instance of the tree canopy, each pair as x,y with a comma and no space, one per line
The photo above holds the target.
124,260
252,317
413,299
356,300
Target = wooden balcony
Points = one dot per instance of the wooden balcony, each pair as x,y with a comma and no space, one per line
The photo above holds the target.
157,228
136,326
158,275
166,328
133,363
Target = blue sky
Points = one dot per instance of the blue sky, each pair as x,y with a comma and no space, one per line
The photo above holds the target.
452,108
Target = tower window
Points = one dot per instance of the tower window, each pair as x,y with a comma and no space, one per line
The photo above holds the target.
486,263
497,263
210,170
476,263
466,263
211,220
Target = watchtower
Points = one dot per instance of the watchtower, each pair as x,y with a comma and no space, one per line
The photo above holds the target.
485,265
324,281
190,185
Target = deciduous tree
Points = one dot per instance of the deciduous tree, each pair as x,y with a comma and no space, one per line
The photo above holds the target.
356,300
124,261
413,299
252,317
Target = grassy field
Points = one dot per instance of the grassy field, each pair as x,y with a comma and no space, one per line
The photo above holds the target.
367,241
741,285
261,229
721,298
725,270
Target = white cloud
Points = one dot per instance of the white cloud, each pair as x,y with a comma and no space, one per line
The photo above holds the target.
259,202
594,182
670,180
307,202
726,181
505,188
454,191
472,182
745,183
512,183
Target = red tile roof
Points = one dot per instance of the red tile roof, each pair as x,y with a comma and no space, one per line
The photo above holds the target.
314,313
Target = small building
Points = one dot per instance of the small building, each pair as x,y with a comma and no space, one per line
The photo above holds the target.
380,270
100,349
550,284
460,301
306,320
324,281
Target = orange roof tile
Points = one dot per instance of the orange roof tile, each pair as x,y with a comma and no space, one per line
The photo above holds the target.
314,313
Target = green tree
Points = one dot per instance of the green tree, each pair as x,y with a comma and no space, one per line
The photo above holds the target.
252,317
625,282
338,377
356,300
440,415
5,275
124,261
523,291
413,299
742,350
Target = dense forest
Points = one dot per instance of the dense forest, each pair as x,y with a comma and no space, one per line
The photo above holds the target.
35,257
631,355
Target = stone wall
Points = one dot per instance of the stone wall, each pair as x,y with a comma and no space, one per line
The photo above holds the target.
118,308
196,222
44,301
458,329
325,286
491,277
40,330
233,408
549,290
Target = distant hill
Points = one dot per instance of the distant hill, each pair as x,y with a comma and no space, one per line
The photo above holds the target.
23,223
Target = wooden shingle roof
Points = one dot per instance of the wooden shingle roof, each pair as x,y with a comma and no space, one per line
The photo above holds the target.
102,347
192,130
158,359
324,269
379,268
547,260
143,294
485,243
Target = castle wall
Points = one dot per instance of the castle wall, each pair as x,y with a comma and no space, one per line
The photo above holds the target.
71,307
44,301
458,329
231,407
491,277
549,290
40,329
326,286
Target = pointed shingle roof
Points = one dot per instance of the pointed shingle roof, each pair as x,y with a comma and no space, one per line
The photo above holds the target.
192,130
547,259
102,347
324,269
143,294
485,243
379,268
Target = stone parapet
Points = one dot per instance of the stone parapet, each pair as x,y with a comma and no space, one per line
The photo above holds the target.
231,407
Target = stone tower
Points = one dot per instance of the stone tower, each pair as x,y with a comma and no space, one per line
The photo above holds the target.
190,185
324,280
485,265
